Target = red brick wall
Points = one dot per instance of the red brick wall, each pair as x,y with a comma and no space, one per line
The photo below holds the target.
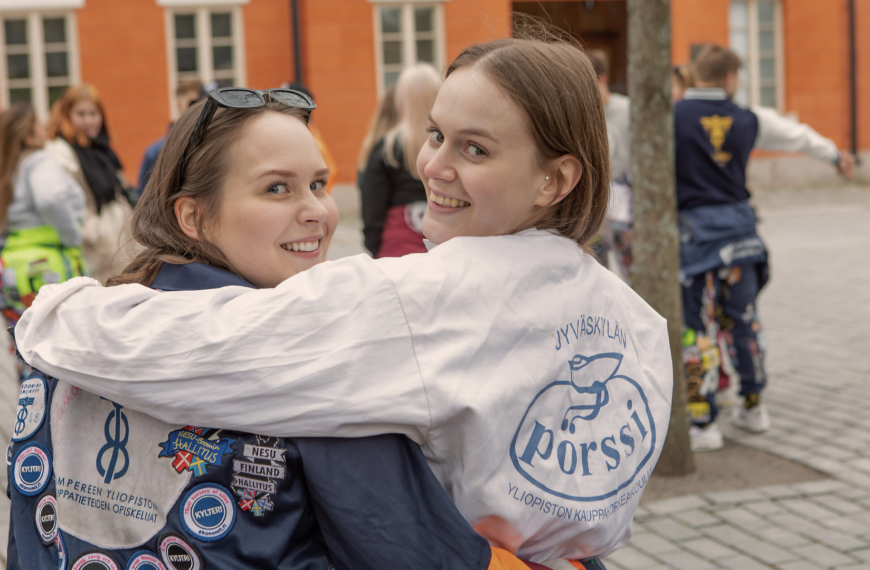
817,65
697,22
468,22
122,50
268,43
863,72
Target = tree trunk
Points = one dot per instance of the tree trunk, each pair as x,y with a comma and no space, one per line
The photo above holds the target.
655,243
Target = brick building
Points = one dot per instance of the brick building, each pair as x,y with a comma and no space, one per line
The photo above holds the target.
135,52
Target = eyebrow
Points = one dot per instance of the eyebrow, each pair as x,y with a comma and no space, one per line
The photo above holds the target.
290,173
474,132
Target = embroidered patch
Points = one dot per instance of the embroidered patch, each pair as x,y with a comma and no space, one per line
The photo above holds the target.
195,448
32,469
208,512
95,561
46,519
113,491
256,480
177,554
145,560
31,408
61,551
9,454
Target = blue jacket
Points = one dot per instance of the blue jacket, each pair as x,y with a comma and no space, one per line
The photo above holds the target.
714,138
135,492
148,161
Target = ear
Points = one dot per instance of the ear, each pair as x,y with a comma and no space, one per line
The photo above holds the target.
567,168
185,214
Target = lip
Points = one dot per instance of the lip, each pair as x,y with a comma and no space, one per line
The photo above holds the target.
305,254
439,209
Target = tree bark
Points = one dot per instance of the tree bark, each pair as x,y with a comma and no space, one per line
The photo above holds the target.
655,244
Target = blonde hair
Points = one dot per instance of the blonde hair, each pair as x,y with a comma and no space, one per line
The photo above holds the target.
384,119
416,90
555,85
59,123
16,124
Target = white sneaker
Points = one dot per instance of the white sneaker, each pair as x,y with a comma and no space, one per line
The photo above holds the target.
755,420
706,439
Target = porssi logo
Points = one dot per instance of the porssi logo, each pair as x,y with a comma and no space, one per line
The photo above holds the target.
588,438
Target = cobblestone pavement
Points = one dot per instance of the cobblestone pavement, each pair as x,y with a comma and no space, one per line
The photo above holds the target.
816,313
817,317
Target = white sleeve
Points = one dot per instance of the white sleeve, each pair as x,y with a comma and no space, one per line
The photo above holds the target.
326,353
55,196
779,133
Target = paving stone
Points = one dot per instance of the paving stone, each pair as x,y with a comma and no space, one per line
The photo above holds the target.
861,554
673,530
706,548
650,543
807,509
687,561
743,519
823,556
631,559
834,538
821,487
779,491
676,505
742,562
764,508
835,503
696,518
731,497
781,537
799,565
749,544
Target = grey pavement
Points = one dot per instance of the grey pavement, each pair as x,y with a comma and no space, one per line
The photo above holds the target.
816,313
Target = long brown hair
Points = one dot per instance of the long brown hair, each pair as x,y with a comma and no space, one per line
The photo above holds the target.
384,119
555,85
16,124
59,124
154,225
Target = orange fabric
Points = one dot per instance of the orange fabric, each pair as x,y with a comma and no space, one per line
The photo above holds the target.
577,564
331,164
504,560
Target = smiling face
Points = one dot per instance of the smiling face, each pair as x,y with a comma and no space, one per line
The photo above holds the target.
86,116
275,219
480,165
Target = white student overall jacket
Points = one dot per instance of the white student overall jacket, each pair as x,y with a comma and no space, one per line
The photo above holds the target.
537,383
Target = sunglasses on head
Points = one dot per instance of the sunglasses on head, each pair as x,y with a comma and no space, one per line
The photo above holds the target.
239,98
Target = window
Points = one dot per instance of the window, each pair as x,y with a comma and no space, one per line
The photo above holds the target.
756,36
406,34
39,59
205,43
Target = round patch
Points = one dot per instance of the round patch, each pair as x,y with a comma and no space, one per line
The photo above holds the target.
145,560
32,469
46,519
61,551
95,561
31,408
208,512
177,554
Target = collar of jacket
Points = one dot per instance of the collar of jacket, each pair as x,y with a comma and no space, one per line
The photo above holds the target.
195,277
707,93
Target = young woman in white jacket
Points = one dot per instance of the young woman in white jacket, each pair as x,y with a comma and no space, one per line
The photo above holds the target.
537,383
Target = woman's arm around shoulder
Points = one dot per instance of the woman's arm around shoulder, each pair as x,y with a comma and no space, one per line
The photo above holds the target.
327,352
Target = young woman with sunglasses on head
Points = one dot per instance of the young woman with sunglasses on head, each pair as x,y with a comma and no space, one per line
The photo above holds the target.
236,201
537,383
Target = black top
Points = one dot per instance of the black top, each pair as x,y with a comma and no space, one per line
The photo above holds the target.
382,188
713,142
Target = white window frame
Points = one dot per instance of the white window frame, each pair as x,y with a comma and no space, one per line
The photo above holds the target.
752,65
39,82
409,35
204,43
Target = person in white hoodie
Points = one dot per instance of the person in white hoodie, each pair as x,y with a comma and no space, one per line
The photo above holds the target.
537,383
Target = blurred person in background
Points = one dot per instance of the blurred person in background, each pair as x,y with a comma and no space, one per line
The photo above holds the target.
616,231
187,93
723,261
42,208
682,78
384,119
79,140
393,197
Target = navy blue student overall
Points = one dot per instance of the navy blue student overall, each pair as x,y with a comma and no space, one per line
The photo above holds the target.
96,486
723,262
